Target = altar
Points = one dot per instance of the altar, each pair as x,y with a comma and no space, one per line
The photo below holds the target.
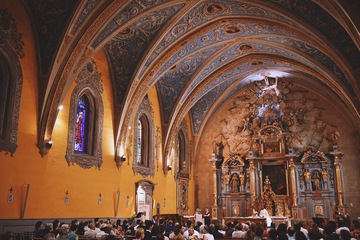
288,185
257,220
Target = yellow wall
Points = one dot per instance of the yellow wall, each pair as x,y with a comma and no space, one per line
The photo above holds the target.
50,177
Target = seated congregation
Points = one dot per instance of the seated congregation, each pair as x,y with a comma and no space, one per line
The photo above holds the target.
170,229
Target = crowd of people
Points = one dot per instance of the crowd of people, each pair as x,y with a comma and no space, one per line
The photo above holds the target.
168,229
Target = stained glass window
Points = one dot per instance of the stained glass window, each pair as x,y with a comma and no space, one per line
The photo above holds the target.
81,131
139,141
182,151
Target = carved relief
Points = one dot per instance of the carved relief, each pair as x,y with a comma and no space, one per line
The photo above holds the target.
182,196
281,107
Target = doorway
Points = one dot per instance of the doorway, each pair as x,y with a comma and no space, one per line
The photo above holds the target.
144,198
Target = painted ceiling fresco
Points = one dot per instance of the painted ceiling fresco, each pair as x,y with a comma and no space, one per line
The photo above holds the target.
198,54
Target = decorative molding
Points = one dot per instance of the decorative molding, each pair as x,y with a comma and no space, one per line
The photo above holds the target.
11,49
145,109
182,201
182,173
10,38
88,83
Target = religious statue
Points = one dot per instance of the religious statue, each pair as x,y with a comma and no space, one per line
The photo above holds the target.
268,196
226,181
316,180
307,178
234,183
279,208
324,174
334,136
242,180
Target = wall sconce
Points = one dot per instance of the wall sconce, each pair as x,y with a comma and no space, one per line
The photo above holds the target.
169,167
127,201
48,144
164,202
66,199
123,158
10,198
99,199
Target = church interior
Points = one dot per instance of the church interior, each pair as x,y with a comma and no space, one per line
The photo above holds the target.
109,108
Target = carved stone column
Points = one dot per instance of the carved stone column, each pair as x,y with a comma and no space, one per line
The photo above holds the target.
213,169
252,181
292,168
338,175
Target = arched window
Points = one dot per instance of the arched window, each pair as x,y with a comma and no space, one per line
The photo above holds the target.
144,140
82,125
86,120
182,151
4,96
10,94
11,49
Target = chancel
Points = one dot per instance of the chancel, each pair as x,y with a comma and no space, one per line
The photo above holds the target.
239,107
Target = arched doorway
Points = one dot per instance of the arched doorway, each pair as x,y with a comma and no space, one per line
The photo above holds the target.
144,197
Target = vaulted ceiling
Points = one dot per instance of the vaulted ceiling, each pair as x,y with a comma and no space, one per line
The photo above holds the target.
197,53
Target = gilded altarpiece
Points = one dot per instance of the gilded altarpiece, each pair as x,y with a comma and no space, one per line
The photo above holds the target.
273,135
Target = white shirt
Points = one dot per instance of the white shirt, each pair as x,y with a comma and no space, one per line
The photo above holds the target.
186,234
341,228
198,218
264,213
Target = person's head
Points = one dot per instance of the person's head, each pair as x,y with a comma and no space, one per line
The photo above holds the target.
282,236
299,235
239,227
62,232
38,225
259,231
315,234
49,236
282,228
92,225
297,227
291,231
148,224
191,231
139,234
272,234
345,235
73,228
205,229
330,228
341,223
56,223
118,222
356,224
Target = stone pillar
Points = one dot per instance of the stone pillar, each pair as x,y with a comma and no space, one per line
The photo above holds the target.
213,169
252,181
338,177
292,168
